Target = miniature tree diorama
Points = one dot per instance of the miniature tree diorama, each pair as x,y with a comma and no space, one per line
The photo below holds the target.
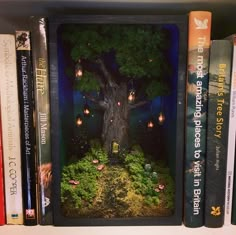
120,76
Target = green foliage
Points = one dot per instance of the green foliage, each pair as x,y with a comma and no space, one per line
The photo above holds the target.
140,52
143,183
146,177
118,190
98,152
136,155
87,83
147,44
85,173
169,192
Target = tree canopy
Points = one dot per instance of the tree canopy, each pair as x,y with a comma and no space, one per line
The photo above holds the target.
113,53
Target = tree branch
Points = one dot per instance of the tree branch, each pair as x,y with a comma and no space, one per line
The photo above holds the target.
100,103
136,105
108,76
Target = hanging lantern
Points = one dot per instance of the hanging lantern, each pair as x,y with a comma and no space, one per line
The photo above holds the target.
150,124
86,110
161,118
131,96
79,120
78,71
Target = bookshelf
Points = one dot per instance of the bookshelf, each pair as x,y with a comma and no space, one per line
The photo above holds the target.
14,14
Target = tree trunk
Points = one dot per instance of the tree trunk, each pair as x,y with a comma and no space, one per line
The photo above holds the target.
115,120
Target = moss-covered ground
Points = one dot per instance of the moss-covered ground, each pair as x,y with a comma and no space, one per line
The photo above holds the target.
134,187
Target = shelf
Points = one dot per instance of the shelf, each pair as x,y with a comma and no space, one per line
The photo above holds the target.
14,13
160,230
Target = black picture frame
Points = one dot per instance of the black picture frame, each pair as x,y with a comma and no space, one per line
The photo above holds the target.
177,147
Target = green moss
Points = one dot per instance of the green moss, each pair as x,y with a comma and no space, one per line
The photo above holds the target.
121,190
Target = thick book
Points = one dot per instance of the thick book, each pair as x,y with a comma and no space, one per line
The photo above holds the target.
10,130
196,111
26,99
2,197
39,38
217,131
231,139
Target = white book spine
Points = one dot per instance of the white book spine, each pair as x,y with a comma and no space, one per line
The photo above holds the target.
10,130
231,141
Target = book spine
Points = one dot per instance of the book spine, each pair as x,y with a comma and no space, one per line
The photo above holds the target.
2,199
42,113
196,110
233,218
10,130
217,131
25,87
231,140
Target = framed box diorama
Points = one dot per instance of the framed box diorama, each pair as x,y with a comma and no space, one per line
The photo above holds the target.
117,113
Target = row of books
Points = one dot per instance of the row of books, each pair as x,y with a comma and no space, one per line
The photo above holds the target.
25,142
105,115
210,126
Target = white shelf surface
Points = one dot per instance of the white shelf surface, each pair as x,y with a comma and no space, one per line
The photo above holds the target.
122,230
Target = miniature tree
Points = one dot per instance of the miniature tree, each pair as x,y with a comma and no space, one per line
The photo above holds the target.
119,61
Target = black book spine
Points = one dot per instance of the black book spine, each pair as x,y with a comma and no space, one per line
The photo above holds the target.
26,99
39,35
217,131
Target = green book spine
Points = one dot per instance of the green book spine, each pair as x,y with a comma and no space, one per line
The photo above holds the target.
197,85
42,116
217,131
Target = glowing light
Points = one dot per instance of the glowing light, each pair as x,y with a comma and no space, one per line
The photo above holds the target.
131,96
161,118
119,103
78,71
86,111
150,124
79,120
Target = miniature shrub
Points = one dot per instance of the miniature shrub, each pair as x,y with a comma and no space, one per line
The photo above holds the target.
79,180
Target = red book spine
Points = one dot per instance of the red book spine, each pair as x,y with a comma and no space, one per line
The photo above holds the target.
2,201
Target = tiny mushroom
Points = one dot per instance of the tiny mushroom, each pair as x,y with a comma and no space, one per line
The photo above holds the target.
157,190
161,186
100,167
95,161
74,182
